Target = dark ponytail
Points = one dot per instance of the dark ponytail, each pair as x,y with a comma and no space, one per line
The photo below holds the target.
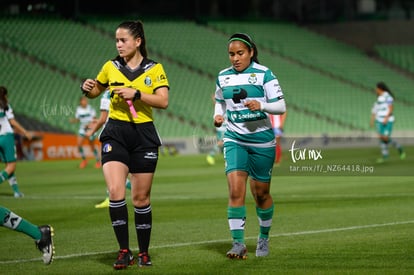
248,42
382,86
136,29
4,104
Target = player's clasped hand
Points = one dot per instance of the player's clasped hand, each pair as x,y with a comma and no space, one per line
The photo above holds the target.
125,93
253,105
218,120
88,85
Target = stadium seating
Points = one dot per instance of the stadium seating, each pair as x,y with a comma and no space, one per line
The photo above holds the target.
321,53
400,55
326,87
38,92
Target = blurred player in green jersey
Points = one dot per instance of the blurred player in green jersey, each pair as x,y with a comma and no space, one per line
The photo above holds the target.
382,116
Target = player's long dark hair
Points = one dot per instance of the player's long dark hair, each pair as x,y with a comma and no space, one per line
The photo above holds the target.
248,42
382,86
136,29
4,103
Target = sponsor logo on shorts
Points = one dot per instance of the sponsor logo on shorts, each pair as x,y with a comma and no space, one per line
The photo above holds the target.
107,148
151,155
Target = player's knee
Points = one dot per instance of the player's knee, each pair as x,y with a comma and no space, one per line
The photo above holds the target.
262,197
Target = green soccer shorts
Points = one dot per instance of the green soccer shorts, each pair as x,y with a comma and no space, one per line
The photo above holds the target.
384,129
256,161
7,148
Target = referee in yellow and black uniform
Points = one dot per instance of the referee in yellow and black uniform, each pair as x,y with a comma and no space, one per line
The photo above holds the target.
130,141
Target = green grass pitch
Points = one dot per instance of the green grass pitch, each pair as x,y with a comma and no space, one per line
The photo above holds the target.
324,223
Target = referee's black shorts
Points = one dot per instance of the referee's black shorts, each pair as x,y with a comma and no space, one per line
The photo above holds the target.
135,145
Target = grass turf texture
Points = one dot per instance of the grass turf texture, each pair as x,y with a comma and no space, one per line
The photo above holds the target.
324,224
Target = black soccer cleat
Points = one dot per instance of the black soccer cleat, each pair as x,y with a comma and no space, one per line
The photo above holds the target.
125,259
45,244
144,259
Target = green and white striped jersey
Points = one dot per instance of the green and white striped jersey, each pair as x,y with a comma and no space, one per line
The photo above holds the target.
382,107
233,88
5,116
105,101
85,116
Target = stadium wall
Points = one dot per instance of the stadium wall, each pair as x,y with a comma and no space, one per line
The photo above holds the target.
202,145
367,34
55,146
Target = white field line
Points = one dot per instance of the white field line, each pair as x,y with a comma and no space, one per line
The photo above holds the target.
183,197
289,234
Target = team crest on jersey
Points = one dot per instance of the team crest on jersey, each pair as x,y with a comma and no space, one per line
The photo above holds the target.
148,81
252,78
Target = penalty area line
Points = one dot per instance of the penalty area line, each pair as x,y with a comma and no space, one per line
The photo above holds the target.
288,234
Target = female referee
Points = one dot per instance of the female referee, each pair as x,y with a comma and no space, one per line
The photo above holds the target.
247,91
129,139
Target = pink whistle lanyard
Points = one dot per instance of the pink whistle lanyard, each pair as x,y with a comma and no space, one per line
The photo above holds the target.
132,108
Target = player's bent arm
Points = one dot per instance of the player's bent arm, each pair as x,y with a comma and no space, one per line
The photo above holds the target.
282,120
99,123
92,88
159,99
219,110
102,118
372,120
19,128
390,110
275,108
74,120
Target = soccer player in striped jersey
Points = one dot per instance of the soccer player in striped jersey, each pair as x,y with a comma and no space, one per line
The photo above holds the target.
8,124
84,115
383,117
129,140
247,92
278,122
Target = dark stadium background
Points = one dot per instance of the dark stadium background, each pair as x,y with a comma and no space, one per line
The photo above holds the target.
302,11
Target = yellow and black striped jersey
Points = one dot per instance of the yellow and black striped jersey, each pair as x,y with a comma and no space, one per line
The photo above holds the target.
148,77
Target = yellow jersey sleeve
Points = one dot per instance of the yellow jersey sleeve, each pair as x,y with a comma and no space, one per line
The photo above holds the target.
148,78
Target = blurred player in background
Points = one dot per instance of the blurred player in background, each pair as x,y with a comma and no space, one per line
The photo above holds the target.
93,128
41,234
248,92
383,118
218,147
7,145
85,115
278,122
130,142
